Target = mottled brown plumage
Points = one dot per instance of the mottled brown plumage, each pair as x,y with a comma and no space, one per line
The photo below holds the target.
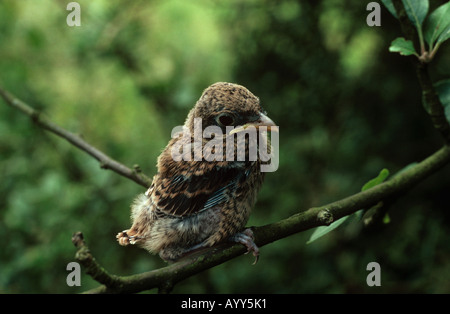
198,203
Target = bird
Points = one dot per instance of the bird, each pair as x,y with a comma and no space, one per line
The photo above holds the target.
194,203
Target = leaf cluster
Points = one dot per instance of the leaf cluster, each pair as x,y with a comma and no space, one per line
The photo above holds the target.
434,28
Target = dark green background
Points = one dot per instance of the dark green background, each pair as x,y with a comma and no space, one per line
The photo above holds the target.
346,108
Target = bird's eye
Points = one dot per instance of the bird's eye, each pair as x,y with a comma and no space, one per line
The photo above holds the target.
225,119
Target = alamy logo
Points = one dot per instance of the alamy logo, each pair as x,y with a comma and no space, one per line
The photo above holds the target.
74,17
374,277
74,277
240,143
374,17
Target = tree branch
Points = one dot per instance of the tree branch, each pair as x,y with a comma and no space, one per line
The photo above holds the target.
164,278
106,162
432,103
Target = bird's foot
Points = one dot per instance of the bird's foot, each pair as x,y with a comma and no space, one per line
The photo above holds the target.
128,237
246,238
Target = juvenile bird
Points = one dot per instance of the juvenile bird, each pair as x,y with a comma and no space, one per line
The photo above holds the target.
196,201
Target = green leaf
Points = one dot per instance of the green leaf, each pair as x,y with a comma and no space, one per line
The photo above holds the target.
443,91
415,9
438,24
390,6
323,230
403,46
445,35
384,173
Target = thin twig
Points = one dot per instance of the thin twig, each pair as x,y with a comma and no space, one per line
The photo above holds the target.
106,162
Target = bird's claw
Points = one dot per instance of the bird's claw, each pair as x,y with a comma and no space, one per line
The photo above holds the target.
246,238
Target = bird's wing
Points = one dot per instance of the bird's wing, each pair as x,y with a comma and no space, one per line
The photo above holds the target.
184,195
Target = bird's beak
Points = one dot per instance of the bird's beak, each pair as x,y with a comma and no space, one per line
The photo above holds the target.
262,121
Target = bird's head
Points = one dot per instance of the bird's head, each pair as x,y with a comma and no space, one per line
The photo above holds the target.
229,105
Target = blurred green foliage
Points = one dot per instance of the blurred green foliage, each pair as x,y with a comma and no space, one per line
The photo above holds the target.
346,108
